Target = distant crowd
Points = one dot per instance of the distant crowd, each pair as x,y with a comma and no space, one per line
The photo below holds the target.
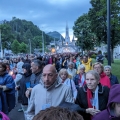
59,87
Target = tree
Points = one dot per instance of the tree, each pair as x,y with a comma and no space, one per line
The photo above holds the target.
82,31
98,17
15,47
6,35
23,47
22,31
38,41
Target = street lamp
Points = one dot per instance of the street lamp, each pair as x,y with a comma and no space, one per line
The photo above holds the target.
30,45
1,44
108,32
43,43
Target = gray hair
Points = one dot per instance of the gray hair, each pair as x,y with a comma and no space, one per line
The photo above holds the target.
63,70
70,63
38,63
81,67
107,66
94,73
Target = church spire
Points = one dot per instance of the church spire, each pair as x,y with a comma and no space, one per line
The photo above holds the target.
67,38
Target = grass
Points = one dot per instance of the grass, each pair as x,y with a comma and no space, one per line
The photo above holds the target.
115,67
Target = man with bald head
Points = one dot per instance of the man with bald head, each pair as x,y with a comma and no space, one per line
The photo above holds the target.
49,92
49,75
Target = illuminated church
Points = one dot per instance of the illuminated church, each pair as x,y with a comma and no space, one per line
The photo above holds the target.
67,45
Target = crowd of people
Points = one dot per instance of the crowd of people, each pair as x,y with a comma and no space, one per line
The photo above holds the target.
60,86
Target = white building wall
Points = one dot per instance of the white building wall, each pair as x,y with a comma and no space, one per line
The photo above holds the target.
116,52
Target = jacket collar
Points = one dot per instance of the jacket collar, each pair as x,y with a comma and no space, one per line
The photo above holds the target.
38,73
56,84
100,90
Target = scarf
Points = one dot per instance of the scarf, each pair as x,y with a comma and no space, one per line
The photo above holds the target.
81,80
64,63
104,80
93,102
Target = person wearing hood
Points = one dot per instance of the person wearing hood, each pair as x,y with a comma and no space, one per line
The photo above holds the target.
87,62
17,79
49,92
104,80
19,72
113,107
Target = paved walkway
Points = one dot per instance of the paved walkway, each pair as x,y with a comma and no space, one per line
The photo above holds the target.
15,115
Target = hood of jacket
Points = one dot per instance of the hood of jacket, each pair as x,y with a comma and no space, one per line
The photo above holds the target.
57,83
114,96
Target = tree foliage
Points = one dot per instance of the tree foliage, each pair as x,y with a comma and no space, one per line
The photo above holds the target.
23,47
98,17
6,35
15,47
82,31
22,31
38,41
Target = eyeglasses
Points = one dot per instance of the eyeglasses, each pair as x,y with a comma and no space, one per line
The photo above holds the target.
97,67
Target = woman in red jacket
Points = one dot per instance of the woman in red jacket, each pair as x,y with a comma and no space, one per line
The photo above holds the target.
104,80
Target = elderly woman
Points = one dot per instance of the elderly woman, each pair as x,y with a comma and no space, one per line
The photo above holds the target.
63,74
113,107
104,80
7,88
113,79
93,97
79,79
71,71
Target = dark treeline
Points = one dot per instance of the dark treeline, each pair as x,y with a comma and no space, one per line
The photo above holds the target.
22,31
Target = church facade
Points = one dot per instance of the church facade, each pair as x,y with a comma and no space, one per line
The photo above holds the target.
67,45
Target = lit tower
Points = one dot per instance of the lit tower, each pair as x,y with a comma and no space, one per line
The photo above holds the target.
67,38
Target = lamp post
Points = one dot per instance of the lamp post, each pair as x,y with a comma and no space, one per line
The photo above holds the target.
42,43
108,32
30,45
1,44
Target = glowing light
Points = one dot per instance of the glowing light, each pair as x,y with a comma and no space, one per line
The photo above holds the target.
53,50
11,73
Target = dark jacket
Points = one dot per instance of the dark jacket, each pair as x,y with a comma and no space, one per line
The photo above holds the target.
100,58
57,65
76,80
113,80
23,87
65,64
114,97
8,95
3,102
81,100
8,81
35,79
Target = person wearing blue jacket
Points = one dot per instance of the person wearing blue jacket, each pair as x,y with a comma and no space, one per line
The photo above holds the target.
7,87
113,78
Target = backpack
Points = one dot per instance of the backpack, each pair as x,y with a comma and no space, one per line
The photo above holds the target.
3,116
